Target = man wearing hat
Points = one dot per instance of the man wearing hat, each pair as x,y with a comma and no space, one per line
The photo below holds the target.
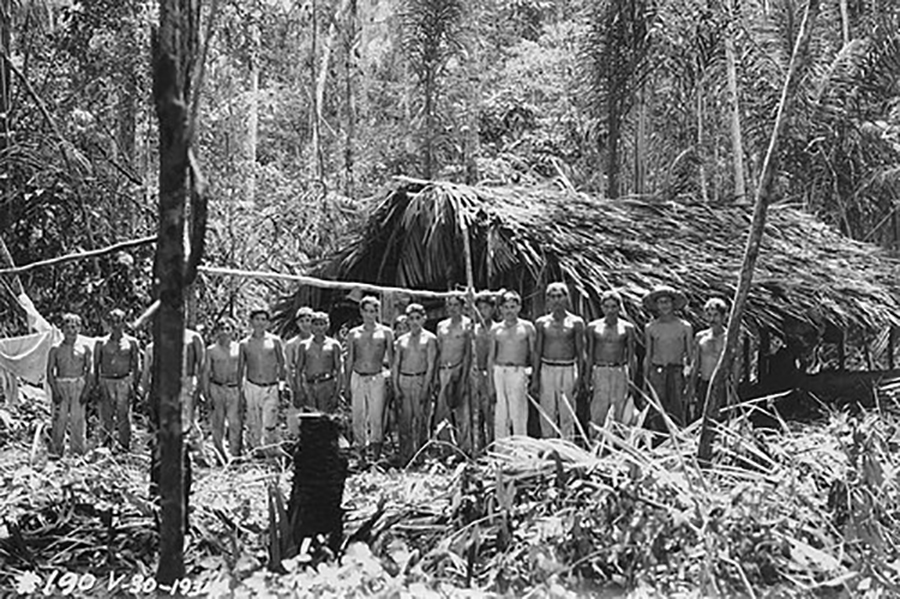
668,344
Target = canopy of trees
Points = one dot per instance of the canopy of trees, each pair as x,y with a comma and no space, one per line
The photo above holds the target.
309,106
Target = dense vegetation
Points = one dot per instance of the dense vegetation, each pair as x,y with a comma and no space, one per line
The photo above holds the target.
307,108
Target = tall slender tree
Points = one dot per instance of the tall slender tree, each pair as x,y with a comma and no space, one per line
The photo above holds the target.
616,62
431,35
764,194
174,50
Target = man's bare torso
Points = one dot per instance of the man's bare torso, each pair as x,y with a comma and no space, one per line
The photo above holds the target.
369,349
319,357
610,341
117,356
558,337
711,347
413,350
452,339
223,363
261,355
669,341
513,343
70,360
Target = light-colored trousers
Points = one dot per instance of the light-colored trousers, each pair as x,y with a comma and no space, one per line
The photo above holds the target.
610,385
367,396
511,411
68,410
115,408
558,400
226,408
262,414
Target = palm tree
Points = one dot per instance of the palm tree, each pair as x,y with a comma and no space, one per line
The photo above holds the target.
616,61
432,34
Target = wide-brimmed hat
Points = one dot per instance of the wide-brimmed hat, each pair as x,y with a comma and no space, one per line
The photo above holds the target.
679,300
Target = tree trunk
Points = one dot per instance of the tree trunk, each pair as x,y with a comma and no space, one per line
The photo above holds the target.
475,68
5,73
701,163
765,191
172,60
428,149
640,143
612,152
252,121
845,22
350,28
315,113
734,105
5,95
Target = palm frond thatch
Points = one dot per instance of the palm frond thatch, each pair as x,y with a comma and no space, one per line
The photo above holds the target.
524,237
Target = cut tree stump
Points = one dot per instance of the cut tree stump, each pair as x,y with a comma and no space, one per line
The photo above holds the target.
318,486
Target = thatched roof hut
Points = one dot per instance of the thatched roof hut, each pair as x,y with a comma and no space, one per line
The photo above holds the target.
525,237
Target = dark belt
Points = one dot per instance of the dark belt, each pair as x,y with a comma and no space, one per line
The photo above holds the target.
368,373
558,362
262,384
512,365
320,378
609,364
115,378
218,384
666,366
413,373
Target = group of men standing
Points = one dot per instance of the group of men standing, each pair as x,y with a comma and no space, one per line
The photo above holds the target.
469,382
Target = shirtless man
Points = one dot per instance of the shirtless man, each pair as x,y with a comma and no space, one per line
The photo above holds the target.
610,351
511,351
558,364
303,318
69,377
368,346
116,372
668,343
412,374
260,374
709,344
454,338
320,367
482,399
220,386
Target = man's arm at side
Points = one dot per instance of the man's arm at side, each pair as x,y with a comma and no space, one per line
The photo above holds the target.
348,365
135,365
535,335
431,356
580,361
51,374
279,359
87,374
205,372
